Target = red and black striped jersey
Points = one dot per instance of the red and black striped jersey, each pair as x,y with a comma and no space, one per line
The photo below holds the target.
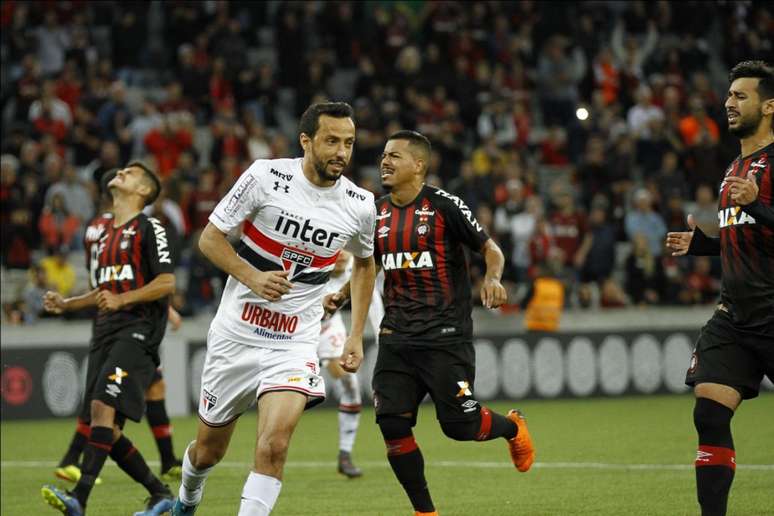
426,281
91,236
747,244
127,258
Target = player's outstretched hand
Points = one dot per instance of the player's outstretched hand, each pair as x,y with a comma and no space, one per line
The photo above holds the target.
271,285
108,301
53,302
493,293
174,318
743,190
680,241
352,356
332,302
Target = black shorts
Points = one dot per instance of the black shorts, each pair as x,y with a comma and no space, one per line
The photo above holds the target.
729,356
120,370
405,373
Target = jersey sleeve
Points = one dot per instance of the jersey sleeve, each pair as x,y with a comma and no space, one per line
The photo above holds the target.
157,253
462,225
362,244
244,198
759,209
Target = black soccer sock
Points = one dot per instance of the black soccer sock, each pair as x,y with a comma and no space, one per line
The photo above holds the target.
131,461
716,458
489,425
78,442
406,461
94,455
156,412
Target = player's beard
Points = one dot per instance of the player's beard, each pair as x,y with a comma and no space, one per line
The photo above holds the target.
747,125
322,169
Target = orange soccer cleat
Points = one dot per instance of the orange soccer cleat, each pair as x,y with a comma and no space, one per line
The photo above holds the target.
434,513
521,448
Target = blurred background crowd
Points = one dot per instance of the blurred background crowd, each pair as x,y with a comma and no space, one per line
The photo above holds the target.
578,133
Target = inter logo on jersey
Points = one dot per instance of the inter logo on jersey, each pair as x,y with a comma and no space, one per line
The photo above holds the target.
734,216
412,260
115,273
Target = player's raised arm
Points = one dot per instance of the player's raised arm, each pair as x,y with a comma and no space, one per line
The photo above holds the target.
54,303
270,285
693,242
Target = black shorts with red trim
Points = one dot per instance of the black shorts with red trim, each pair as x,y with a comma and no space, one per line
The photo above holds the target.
406,372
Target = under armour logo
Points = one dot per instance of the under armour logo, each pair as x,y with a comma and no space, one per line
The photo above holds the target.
277,186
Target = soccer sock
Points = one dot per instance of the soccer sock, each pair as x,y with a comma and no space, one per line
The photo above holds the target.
492,425
156,412
259,495
192,485
715,458
131,461
349,411
94,455
406,461
79,440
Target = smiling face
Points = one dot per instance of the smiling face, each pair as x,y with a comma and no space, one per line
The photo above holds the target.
744,108
330,150
400,165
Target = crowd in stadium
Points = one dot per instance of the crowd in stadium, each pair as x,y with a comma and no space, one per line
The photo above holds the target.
578,134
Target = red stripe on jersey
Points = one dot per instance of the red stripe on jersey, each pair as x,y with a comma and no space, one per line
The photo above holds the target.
275,248
440,255
113,257
427,275
137,257
740,171
766,194
408,231
392,247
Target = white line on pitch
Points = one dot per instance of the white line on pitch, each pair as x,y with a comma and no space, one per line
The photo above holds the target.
441,463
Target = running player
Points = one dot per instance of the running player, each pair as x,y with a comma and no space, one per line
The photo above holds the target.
332,338
425,341
155,409
296,215
736,346
135,278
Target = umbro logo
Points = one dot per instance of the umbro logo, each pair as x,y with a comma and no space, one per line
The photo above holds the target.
278,186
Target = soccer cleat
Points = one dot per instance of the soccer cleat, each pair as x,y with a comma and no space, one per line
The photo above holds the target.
158,504
181,509
521,448
172,472
346,467
62,501
72,473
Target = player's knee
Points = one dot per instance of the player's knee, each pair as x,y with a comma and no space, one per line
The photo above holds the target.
460,430
203,456
272,448
102,414
711,417
156,390
394,427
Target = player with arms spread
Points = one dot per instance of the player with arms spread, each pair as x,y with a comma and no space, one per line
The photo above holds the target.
135,277
425,341
296,215
736,346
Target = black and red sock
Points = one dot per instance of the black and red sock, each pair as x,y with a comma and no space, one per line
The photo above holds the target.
406,461
78,442
156,413
94,455
133,464
715,459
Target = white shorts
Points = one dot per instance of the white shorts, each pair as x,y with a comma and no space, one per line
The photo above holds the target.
235,375
332,338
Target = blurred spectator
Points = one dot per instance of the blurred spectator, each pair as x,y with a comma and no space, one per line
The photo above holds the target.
560,69
642,220
114,118
32,295
700,287
60,274
519,228
77,198
567,225
697,128
50,110
643,114
644,273
595,257
167,141
53,40
58,227
705,213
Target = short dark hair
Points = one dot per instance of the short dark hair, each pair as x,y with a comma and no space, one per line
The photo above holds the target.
759,70
310,120
150,179
415,139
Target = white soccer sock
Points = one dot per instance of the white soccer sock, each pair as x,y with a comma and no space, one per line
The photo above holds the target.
259,495
349,411
192,484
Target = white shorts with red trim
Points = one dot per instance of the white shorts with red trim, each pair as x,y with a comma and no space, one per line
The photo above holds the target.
235,375
332,338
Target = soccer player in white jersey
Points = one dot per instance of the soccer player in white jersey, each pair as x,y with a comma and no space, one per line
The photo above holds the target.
295,216
332,339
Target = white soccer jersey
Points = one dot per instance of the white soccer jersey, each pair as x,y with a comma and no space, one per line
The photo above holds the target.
289,224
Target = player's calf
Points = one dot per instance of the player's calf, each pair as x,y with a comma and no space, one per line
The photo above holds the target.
715,459
487,425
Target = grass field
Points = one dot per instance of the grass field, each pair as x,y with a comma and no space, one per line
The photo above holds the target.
629,456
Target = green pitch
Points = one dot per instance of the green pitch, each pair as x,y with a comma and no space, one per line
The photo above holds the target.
625,456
